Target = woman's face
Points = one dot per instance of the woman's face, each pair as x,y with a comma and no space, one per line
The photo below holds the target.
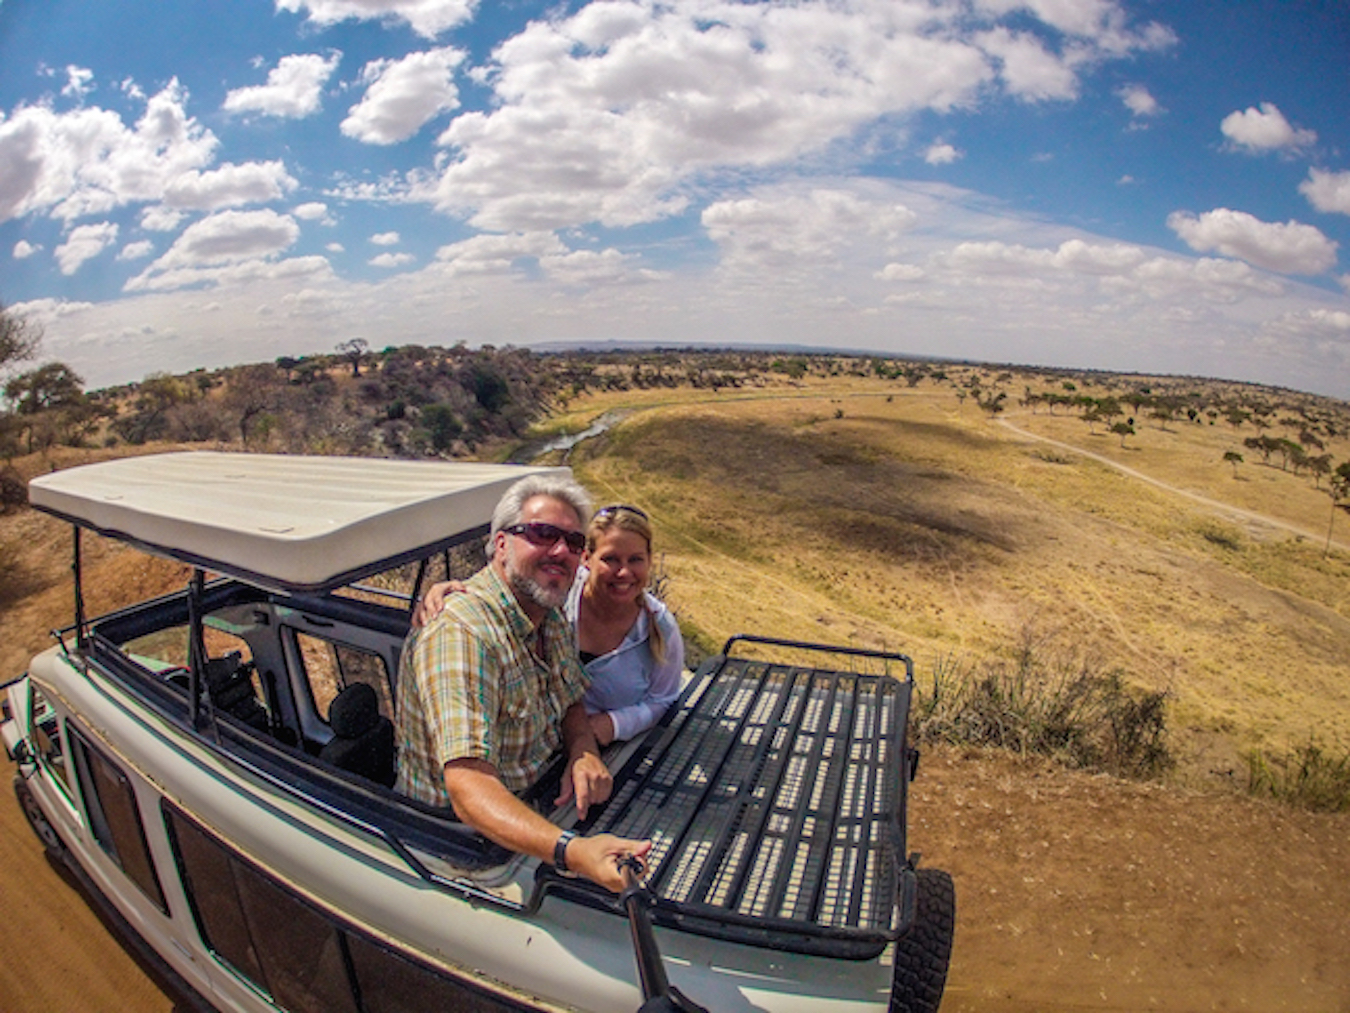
619,565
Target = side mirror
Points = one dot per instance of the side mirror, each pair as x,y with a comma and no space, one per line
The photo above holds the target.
23,756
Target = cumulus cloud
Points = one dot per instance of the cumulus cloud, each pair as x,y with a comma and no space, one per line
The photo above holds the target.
222,239
137,250
88,161
1265,129
941,153
812,229
294,87
1327,191
427,18
1139,101
312,211
392,260
1287,248
229,186
403,96
78,83
158,218
385,239
84,243
606,114
495,254
23,249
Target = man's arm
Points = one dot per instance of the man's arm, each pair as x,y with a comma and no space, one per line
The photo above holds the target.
484,803
586,776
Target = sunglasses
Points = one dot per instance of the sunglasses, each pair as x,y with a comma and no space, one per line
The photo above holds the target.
610,511
548,535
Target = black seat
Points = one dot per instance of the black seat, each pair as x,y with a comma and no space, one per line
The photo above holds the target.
230,685
363,738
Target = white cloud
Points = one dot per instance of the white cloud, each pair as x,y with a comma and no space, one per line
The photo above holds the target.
901,272
223,239
392,260
941,153
137,250
23,249
77,82
158,218
385,239
229,186
607,115
1288,248
84,243
403,96
294,88
88,161
335,248
427,18
1265,129
1327,191
498,253
1139,101
807,231
312,211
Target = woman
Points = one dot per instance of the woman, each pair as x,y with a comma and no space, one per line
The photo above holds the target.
629,641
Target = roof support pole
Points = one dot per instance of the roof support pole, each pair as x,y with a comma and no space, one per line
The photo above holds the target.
196,646
77,568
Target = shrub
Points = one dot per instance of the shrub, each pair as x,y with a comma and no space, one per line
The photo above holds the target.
1047,704
1309,777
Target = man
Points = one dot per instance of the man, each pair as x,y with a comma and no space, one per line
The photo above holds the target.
491,688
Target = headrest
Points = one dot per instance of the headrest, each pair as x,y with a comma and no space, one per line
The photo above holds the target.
354,711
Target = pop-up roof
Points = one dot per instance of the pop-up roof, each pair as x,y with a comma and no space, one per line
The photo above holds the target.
289,523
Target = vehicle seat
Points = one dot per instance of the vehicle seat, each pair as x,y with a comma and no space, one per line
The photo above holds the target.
363,738
230,685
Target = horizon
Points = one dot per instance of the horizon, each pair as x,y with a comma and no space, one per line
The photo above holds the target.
1151,187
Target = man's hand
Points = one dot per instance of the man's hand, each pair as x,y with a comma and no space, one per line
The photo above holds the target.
588,780
597,858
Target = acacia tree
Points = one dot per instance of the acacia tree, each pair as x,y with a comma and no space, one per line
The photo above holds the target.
19,337
1233,458
1338,489
354,350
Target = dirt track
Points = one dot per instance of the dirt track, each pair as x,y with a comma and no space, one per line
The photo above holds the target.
1074,893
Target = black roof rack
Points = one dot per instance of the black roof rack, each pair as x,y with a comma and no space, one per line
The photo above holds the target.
774,795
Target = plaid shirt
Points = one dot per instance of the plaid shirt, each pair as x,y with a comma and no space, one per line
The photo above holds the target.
471,684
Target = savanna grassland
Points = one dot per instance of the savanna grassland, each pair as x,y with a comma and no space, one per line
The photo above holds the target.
851,512
869,511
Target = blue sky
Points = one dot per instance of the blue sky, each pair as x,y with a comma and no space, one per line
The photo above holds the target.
1138,185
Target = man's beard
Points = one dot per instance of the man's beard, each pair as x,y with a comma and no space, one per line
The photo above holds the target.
528,587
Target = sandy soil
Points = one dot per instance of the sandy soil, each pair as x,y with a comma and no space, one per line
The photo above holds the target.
1074,892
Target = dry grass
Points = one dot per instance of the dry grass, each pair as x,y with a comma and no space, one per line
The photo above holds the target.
910,522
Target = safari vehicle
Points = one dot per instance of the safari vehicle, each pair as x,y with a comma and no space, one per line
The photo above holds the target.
216,766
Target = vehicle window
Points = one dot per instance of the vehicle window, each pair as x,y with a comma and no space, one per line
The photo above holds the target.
286,948
114,817
331,667
168,648
47,736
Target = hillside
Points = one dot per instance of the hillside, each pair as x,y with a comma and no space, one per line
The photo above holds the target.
865,510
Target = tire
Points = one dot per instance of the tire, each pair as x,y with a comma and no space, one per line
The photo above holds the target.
923,954
37,819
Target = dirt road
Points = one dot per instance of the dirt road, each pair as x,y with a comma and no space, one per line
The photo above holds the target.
1074,892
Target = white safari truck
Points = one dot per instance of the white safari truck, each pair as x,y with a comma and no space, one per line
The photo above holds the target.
216,765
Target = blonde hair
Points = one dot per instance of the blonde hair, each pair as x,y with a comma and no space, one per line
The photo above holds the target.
621,517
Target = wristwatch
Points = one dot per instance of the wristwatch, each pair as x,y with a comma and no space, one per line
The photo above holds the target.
560,852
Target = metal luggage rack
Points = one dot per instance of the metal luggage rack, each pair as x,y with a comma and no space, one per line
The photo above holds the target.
774,796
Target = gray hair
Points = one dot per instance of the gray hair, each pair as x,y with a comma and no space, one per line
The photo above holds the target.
555,486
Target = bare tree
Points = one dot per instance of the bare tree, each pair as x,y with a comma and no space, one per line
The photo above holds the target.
354,350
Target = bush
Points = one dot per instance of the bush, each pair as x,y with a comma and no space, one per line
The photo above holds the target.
1052,705
1308,777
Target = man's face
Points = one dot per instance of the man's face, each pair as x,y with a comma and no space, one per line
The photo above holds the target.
540,572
